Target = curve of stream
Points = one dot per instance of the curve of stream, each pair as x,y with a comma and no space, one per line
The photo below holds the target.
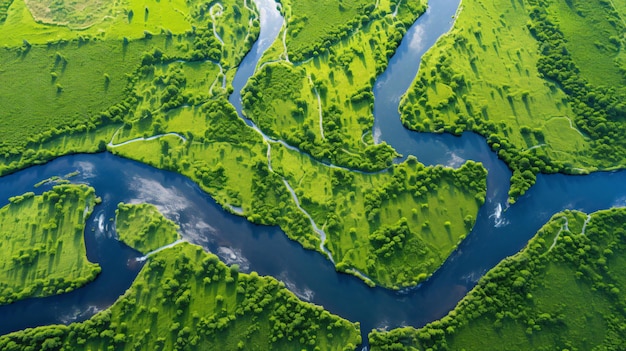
496,234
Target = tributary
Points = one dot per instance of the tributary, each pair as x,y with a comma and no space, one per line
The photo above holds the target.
498,233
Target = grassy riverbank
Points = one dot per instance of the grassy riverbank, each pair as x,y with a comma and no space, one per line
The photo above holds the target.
565,290
165,105
186,299
396,227
42,243
75,86
143,228
314,85
437,205
543,81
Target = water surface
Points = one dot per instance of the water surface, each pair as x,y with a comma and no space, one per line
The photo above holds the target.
497,233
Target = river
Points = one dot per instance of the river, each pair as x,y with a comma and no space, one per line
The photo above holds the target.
498,233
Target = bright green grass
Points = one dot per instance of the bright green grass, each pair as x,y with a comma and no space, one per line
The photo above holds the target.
483,76
63,142
315,25
42,243
48,82
113,22
324,105
224,156
565,290
238,26
143,228
397,227
620,7
81,79
485,69
4,8
186,299
211,145
598,47
64,85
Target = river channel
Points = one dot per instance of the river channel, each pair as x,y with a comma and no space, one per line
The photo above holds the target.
499,232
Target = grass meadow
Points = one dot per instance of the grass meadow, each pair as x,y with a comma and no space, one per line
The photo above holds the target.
42,243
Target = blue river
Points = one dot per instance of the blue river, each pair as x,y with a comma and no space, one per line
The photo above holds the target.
499,231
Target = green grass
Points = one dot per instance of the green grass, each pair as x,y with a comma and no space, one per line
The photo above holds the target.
486,75
198,135
60,85
111,21
42,243
84,79
224,156
597,49
143,228
314,25
565,290
229,160
397,227
186,299
282,97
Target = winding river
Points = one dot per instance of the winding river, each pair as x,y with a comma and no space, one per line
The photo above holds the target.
498,233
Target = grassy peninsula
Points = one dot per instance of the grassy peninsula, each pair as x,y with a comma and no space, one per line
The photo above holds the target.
395,227
143,228
542,80
186,299
314,87
565,290
42,243
277,185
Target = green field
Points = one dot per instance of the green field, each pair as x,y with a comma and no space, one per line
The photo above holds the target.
212,145
42,243
565,290
73,84
542,80
143,228
395,227
168,108
323,105
186,299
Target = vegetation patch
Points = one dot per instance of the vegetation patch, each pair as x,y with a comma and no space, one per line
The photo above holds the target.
72,84
565,290
508,69
143,228
323,105
42,243
396,227
69,13
186,299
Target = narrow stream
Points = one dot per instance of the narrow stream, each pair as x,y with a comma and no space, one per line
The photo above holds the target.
496,234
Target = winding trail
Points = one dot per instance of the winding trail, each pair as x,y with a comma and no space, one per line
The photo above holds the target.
213,15
395,11
220,10
319,231
363,137
319,106
158,136
285,52
153,252
582,231
571,125
536,147
565,226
